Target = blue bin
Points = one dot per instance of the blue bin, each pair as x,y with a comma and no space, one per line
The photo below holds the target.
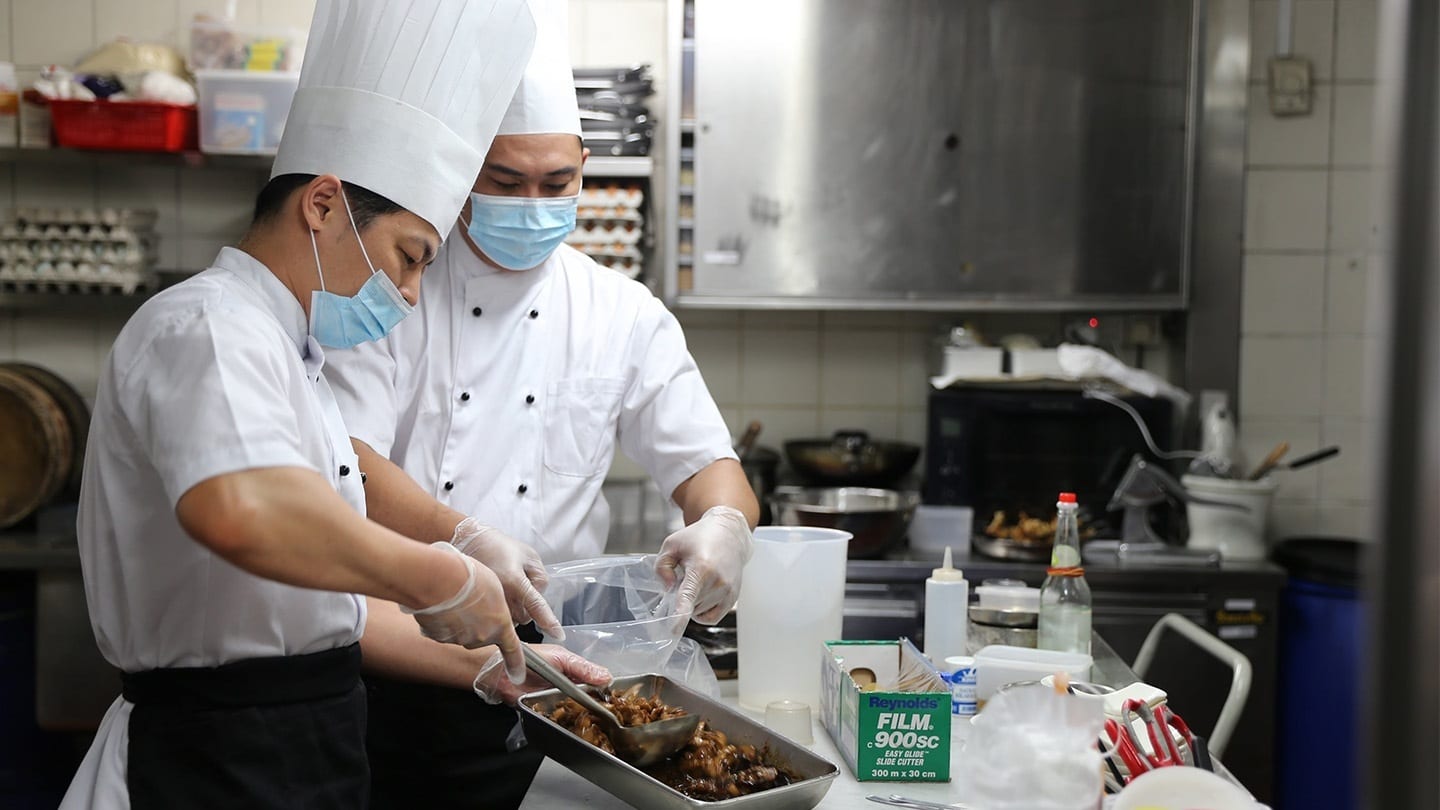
1318,694
35,766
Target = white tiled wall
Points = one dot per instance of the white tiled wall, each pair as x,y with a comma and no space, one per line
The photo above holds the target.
1308,239
1309,243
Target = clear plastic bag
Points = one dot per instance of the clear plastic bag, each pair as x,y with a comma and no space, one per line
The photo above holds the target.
617,612
1033,749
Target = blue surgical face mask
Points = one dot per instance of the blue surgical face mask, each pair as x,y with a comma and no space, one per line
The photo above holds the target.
519,233
341,322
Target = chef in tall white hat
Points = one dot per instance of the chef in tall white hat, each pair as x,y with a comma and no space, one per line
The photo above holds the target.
504,400
222,527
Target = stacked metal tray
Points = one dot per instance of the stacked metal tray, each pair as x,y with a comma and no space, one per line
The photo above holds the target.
614,118
642,790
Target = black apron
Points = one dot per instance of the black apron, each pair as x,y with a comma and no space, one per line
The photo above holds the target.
437,747
285,732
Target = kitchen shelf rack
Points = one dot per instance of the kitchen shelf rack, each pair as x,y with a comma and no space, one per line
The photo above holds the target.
610,166
61,156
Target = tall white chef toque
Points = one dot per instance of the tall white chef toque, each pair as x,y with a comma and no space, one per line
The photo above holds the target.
403,97
544,102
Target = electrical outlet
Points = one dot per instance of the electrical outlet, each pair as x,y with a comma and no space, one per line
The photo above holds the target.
1290,85
1143,330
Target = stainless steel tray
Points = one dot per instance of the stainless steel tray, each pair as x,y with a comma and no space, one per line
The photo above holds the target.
642,790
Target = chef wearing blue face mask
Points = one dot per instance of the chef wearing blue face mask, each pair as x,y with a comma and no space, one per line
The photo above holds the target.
504,399
222,533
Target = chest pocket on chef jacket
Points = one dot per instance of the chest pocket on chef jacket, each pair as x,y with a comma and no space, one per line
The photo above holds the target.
580,417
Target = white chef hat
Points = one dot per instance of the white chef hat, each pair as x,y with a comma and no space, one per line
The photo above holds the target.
403,97
545,101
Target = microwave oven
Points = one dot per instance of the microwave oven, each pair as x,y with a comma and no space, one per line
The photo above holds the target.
1015,449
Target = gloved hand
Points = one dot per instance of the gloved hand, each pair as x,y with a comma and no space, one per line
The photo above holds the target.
474,617
519,568
494,689
712,551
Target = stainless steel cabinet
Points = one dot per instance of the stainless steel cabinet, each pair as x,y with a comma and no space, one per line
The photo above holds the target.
1006,154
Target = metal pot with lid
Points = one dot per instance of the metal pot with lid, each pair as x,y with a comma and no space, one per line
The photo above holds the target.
851,459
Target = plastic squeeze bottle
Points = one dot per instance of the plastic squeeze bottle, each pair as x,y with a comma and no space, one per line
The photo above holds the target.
1065,596
947,611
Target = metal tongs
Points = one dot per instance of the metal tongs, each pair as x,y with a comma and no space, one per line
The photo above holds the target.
896,800
642,745
1162,751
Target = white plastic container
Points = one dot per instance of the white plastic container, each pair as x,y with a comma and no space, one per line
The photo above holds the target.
998,665
243,112
934,528
792,598
1180,788
1236,534
1008,596
1035,363
973,362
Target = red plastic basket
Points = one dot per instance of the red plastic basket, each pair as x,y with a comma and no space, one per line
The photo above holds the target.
134,126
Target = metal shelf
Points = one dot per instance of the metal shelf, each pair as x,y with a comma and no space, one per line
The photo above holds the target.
62,155
609,166
83,296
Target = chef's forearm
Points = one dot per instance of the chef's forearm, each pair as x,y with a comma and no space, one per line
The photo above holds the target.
721,483
289,525
393,647
395,501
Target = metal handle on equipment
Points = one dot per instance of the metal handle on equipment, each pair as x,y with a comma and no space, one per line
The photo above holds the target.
1236,660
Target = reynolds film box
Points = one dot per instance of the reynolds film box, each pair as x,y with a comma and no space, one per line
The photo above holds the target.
887,709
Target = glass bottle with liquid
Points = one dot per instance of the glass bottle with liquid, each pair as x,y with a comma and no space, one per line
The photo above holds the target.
1065,600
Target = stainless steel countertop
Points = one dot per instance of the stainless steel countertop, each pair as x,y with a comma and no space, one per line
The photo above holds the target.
48,543
904,565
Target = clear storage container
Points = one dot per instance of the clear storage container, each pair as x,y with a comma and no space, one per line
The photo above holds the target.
243,112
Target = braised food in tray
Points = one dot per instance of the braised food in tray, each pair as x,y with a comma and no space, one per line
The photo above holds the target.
709,767
1026,530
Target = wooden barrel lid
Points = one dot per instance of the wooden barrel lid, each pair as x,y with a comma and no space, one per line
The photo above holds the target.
77,414
35,447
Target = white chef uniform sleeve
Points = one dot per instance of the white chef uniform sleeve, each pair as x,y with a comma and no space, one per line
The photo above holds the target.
365,382
206,396
669,423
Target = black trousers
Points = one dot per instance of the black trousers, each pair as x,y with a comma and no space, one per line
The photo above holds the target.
284,733
441,748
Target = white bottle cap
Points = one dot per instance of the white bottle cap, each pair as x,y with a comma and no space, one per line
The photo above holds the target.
958,662
947,572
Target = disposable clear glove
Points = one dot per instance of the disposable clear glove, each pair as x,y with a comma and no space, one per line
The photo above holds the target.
711,552
493,688
474,617
519,568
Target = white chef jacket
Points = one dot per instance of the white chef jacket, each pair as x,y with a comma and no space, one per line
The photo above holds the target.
505,394
213,376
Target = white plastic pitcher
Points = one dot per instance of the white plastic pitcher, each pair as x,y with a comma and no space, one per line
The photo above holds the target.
791,602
